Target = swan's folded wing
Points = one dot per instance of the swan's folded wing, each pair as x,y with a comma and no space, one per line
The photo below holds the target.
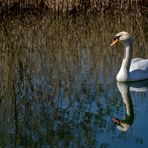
139,64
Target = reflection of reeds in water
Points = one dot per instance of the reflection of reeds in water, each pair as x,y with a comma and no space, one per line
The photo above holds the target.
45,61
56,46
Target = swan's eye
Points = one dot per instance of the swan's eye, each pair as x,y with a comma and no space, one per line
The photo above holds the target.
115,38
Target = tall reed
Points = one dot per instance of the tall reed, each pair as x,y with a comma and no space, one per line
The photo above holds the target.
75,5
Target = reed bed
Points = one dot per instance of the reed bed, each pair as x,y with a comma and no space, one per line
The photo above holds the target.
47,60
55,46
61,6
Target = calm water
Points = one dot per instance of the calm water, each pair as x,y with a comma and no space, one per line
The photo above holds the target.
58,87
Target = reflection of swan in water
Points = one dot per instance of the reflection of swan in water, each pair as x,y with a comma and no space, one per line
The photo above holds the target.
125,89
131,69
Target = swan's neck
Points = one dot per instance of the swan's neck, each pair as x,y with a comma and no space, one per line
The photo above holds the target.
123,74
128,49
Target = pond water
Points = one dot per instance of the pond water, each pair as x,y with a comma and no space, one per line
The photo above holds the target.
58,86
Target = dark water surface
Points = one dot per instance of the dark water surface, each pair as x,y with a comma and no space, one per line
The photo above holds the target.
58,87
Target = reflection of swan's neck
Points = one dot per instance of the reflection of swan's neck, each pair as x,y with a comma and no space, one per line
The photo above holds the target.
127,101
125,93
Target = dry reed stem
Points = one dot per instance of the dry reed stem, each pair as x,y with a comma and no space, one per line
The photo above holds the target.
75,5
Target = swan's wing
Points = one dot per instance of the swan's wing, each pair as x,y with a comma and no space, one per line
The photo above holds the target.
139,64
136,60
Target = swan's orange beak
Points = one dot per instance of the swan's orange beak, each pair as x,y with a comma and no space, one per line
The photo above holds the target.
115,41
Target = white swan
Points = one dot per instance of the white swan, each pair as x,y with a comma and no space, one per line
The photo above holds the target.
131,69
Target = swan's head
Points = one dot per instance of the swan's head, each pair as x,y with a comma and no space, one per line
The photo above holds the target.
122,37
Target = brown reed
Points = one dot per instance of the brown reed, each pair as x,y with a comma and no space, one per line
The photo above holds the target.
75,5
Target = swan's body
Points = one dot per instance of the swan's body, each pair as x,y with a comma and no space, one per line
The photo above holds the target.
131,69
